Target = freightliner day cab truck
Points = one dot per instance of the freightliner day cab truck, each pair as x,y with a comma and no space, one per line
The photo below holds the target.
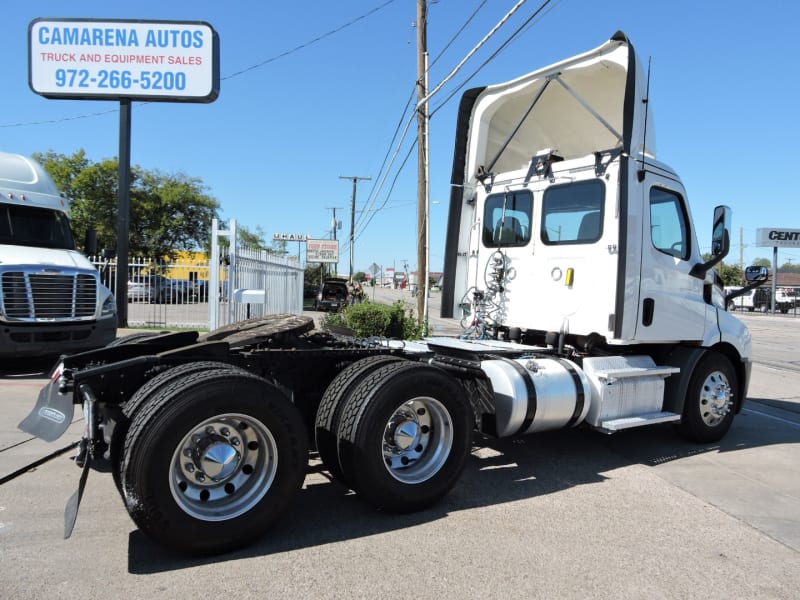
51,297
572,261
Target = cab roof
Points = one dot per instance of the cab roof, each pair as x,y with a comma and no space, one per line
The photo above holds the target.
24,181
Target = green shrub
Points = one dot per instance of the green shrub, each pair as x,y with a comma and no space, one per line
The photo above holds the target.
368,319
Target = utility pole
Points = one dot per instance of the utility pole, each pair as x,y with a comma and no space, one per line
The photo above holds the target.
741,248
334,224
355,181
422,161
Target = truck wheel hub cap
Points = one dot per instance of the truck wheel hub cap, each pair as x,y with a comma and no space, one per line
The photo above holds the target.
219,460
223,467
417,440
715,399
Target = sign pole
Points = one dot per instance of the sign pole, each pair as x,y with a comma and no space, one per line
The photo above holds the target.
123,210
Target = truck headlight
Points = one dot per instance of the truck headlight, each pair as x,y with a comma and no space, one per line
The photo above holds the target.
109,306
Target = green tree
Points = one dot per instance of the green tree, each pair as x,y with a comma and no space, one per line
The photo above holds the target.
312,276
762,262
251,239
63,169
168,212
730,274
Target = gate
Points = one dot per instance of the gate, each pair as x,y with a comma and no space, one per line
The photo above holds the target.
252,282
200,293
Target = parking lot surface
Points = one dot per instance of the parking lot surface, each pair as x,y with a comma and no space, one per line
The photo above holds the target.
640,514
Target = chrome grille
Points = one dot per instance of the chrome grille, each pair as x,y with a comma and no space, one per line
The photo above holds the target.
48,296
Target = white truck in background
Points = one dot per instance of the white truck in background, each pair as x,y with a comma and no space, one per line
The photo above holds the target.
574,265
51,297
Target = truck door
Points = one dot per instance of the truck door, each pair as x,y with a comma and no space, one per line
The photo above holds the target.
671,305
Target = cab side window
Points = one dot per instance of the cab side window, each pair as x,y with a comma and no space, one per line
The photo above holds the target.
669,229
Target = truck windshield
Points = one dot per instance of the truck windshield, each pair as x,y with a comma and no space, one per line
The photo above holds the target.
32,226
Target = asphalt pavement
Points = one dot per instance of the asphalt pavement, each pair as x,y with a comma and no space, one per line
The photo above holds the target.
578,514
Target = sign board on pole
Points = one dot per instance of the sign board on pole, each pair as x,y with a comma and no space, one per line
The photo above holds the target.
290,237
325,251
778,237
174,61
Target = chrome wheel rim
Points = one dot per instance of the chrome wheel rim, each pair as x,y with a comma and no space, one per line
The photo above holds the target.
417,440
223,467
716,399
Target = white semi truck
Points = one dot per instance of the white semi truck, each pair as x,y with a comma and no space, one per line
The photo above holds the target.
574,266
51,297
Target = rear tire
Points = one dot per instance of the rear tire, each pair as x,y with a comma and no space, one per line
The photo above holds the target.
332,403
404,436
212,461
143,395
710,399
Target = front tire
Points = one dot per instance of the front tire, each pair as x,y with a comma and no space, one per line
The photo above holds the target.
212,461
404,436
710,400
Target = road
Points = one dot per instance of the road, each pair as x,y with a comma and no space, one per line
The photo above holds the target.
640,514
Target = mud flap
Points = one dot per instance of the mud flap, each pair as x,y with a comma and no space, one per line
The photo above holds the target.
74,502
51,416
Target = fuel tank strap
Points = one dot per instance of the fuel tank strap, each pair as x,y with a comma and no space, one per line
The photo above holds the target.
580,397
529,388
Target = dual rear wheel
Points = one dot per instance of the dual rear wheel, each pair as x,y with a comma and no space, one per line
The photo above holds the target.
398,432
212,457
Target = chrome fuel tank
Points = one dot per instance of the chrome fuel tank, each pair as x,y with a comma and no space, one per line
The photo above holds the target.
537,394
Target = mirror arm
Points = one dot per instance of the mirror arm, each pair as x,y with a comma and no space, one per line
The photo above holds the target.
742,291
700,269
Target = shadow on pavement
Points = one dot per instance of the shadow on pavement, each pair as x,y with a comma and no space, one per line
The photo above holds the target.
497,472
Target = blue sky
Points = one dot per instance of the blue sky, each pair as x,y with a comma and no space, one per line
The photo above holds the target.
331,87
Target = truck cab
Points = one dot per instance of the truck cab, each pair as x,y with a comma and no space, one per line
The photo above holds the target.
562,218
51,298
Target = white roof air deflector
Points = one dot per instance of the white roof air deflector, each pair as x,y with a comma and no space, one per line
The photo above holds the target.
588,107
583,115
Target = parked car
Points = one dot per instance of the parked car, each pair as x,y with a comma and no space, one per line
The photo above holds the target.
146,288
200,290
176,291
333,294
785,299
157,288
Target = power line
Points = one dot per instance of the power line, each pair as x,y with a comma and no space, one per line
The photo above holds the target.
375,191
526,24
309,43
492,56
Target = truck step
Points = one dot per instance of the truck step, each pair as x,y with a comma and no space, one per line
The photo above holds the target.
637,421
635,372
